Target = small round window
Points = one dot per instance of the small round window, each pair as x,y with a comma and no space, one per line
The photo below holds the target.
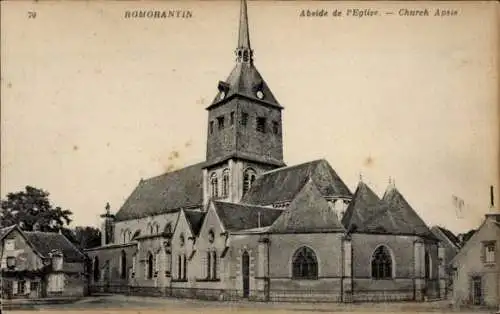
260,94
211,236
182,240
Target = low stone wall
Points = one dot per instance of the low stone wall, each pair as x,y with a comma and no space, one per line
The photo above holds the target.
275,295
383,295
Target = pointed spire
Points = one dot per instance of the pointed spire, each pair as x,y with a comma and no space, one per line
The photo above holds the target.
360,177
244,52
391,186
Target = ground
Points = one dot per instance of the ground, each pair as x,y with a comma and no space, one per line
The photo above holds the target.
118,304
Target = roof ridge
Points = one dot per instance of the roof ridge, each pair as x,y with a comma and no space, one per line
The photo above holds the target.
58,235
248,205
6,230
293,166
173,171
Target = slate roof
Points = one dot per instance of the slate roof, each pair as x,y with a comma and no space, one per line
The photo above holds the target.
195,220
245,80
363,205
383,219
308,212
400,214
281,185
450,235
5,230
165,193
236,217
243,34
45,242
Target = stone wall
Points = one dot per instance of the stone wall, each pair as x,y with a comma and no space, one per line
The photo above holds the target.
246,139
142,224
111,256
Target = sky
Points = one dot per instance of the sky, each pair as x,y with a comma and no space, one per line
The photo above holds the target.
91,102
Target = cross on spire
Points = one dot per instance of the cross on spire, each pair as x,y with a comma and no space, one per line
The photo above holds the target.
244,52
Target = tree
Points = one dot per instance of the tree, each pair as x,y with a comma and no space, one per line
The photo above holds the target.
87,237
31,209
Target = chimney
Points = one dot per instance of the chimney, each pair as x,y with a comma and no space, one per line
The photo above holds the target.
56,257
492,197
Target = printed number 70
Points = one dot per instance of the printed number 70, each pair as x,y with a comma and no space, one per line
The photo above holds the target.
31,14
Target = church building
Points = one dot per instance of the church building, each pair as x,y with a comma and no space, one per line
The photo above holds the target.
244,224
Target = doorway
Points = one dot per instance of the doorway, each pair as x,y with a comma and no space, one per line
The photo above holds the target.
477,291
245,272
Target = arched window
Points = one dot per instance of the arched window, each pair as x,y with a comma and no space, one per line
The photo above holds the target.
150,262
184,267
225,183
96,269
381,263
182,240
179,267
157,228
151,229
209,264
126,235
214,266
129,235
123,264
213,185
248,178
427,265
305,264
136,234
211,236
168,228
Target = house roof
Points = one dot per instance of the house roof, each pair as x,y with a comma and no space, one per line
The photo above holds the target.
45,242
281,185
195,220
5,230
362,206
478,235
449,235
308,212
165,193
236,217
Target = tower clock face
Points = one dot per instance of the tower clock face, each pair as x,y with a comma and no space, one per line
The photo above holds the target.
260,94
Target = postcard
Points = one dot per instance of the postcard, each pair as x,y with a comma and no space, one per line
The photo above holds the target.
241,155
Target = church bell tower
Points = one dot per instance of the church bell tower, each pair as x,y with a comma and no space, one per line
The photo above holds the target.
244,136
